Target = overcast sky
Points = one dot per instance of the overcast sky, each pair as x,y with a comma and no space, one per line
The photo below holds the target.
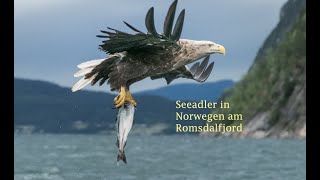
52,36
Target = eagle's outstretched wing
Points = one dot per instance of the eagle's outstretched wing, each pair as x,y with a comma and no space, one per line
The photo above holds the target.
151,41
198,72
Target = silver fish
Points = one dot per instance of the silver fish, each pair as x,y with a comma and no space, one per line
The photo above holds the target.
123,127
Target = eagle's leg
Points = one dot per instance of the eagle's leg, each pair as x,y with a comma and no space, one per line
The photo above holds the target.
120,99
130,98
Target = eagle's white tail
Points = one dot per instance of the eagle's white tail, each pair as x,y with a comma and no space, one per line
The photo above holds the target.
92,63
85,68
82,72
82,83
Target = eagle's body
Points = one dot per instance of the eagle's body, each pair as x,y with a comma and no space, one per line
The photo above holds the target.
127,68
133,57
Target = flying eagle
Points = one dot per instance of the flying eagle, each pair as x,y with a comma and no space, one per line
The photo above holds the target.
134,57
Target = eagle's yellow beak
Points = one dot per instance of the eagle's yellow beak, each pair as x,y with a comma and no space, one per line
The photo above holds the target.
217,48
221,50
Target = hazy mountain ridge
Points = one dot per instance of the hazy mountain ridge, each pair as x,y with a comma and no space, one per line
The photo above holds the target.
41,106
54,109
210,91
272,96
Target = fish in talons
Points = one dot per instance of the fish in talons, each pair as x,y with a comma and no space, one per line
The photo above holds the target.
123,127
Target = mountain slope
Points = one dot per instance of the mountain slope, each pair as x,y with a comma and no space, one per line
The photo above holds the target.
272,96
288,15
206,91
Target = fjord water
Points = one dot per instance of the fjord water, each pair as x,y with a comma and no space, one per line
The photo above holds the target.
93,157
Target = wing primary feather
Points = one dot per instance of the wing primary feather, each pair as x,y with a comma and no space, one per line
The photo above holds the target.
201,68
194,68
101,36
104,31
150,22
133,28
204,76
117,30
168,23
102,81
107,32
178,27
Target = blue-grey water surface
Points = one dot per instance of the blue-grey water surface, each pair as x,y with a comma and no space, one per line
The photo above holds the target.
93,157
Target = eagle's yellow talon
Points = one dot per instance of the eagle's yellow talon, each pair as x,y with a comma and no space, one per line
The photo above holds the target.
124,96
130,99
120,99
120,103
133,102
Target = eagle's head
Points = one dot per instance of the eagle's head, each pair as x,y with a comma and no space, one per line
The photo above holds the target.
200,49
208,47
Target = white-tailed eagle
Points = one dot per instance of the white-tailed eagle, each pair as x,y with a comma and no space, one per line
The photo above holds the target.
134,57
